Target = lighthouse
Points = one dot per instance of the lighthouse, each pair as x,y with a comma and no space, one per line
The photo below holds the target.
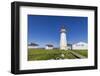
63,39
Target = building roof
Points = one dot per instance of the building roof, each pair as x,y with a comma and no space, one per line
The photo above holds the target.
33,44
80,43
49,45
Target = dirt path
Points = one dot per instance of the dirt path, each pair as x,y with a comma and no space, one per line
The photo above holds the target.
77,55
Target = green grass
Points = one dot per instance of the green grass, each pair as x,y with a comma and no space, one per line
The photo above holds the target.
42,54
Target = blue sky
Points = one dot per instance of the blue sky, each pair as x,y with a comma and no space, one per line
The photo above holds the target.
46,29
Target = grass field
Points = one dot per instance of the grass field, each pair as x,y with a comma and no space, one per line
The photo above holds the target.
55,54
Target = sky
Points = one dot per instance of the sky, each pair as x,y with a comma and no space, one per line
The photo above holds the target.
43,29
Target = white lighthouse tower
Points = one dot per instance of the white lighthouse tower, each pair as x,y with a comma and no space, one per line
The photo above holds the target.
63,40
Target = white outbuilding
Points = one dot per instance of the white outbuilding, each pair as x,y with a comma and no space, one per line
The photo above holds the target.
80,46
49,46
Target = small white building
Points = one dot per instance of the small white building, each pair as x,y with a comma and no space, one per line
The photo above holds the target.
80,46
33,45
49,46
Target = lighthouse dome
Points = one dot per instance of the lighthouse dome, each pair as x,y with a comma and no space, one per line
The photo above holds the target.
63,29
